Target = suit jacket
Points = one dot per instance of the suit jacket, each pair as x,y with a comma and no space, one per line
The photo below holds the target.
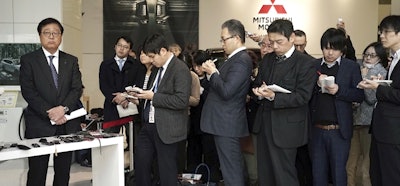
39,91
171,101
386,116
347,78
289,112
112,80
224,111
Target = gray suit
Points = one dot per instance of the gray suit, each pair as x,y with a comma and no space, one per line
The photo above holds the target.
171,120
224,113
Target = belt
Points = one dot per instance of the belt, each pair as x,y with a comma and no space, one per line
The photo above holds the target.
327,127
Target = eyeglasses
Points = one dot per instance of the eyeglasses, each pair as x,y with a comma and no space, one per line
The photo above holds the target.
223,40
125,47
263,44
54,34
385,32
369,55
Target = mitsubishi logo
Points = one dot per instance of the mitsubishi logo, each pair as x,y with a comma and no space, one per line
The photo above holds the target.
279,8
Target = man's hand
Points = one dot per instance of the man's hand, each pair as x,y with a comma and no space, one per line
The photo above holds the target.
120,99
146,94
209,67
332,89
263,91
56,114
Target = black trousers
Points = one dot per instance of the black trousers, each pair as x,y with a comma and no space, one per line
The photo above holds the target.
150,147
38,166
385,163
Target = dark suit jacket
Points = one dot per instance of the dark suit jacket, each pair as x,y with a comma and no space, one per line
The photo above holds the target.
39,91
113,80
347,78
289,112
386,116
171,102
224,112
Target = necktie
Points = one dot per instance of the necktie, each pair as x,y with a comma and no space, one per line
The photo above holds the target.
120,64
280,58
53,71
158,79
147,103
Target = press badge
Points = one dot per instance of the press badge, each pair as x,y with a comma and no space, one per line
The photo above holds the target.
151,113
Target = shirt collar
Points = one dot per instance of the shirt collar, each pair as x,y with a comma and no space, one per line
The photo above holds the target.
236,51
47,53
289,52
117,58
331,64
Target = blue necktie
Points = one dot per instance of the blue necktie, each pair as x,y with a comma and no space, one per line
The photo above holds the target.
147,103
53,71
120,64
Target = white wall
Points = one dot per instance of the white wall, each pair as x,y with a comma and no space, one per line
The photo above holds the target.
19,19
312,16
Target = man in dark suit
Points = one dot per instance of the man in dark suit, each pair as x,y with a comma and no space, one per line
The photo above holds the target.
165,114
282,118
115,74
51,84
385,144
331,106
303,158
224,111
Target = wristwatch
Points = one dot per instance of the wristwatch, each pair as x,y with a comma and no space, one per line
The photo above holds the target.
66,109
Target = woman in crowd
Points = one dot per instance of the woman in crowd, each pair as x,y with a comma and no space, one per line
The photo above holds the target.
373,65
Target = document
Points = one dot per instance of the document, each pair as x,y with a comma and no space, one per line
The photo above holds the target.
129,111
277,88
75,114
328,81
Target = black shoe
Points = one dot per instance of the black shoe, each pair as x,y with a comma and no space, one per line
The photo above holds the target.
86,163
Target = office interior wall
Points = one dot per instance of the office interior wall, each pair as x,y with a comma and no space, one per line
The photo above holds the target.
19,18
312,16
92,49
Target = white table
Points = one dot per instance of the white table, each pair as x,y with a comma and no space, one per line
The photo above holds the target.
107,156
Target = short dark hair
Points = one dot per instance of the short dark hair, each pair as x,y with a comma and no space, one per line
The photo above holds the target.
335,39
98,111
235,27
390,22
299,33
127,39
47,21
282,26
200,56
154,43
381,52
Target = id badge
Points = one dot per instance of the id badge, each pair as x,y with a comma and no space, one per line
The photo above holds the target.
151,113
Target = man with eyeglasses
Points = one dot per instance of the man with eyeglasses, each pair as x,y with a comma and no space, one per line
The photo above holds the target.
51,85
282,118
115,74
385,144
224,111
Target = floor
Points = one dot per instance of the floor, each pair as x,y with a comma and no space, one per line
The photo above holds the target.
13,173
